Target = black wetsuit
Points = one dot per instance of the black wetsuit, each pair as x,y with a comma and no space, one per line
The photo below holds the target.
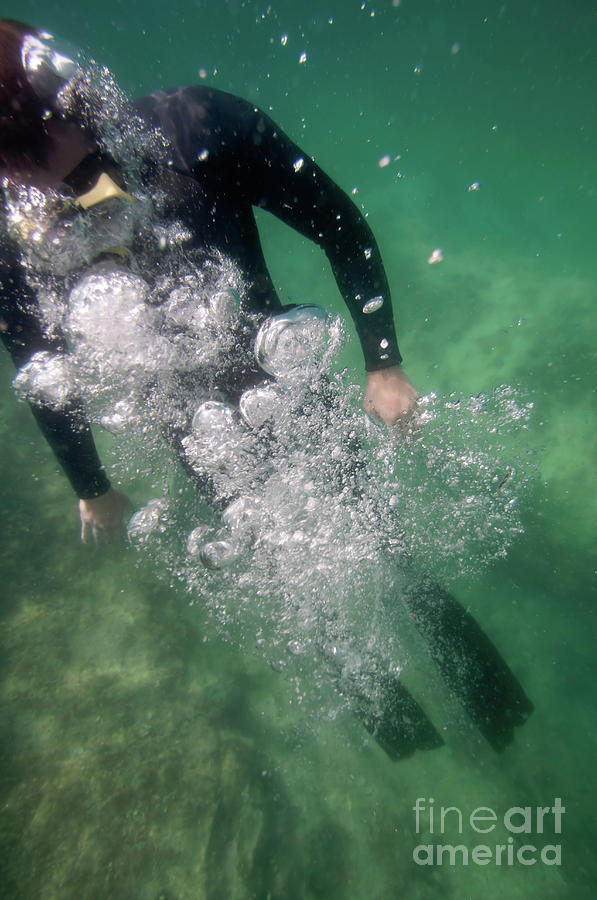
226,158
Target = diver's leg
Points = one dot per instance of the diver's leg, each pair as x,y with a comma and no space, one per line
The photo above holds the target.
472,667
469,662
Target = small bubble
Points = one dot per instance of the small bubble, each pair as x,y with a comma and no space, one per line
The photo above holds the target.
303,58
384,343
298,164
475,186
284,40
455,48
202,73
385,161
436,256
373,305
203,155
368,252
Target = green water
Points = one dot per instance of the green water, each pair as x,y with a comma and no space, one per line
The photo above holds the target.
144,757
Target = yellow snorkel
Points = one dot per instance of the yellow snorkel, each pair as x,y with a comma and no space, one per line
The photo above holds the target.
62,233
104,189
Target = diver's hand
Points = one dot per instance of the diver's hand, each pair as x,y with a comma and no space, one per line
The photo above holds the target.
390,396
101,518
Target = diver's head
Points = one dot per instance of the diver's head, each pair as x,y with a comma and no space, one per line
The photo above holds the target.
43,131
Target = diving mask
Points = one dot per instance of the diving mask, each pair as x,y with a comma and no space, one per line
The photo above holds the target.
50,65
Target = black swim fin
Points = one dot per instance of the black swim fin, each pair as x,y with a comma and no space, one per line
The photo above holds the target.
392,717
399,725
469,662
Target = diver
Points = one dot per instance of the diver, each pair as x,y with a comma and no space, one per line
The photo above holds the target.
225,157
212,158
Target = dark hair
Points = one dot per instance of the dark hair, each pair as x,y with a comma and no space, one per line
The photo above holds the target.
22,124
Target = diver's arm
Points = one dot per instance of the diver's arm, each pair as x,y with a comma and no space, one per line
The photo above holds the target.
243,154
101,507
289,184
66,430
253,161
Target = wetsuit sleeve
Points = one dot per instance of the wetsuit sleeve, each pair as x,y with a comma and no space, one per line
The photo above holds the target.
251,161
66,431
286,182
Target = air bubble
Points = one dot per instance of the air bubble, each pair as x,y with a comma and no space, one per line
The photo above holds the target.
373,305
294,343
243,518
47,379
224,306
196,540
148,521
260,405
217,554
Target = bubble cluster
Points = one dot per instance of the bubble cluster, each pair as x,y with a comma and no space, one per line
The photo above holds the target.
314,513
299,519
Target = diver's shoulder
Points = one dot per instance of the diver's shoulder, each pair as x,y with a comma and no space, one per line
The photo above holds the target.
201,102
199,122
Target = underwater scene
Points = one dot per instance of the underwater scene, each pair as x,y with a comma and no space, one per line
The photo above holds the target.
328,658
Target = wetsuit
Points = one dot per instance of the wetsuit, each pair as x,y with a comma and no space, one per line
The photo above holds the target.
226,158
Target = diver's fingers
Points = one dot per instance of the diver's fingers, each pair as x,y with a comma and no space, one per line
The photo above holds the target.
372,413
405,425
408,422
85,531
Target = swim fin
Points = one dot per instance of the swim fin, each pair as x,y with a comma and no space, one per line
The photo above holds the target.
469,662
392,717
400,726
